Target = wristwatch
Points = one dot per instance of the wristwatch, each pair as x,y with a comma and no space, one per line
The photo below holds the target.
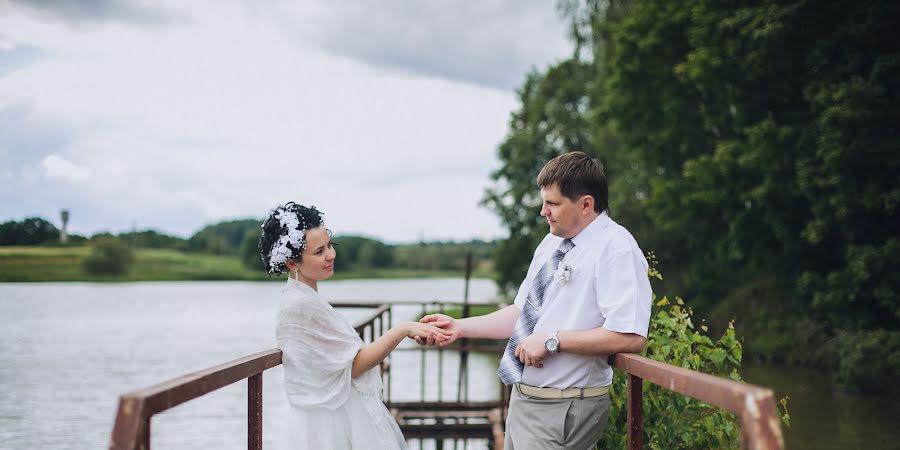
552,343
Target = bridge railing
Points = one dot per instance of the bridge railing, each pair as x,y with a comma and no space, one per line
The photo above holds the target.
131,430
760,424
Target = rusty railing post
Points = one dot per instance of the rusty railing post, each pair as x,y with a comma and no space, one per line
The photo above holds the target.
131,430
760,424
254,412
635,410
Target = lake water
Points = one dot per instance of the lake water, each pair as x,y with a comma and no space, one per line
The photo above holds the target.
824,418
68,350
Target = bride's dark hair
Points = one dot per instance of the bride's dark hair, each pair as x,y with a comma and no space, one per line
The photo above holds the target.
277,228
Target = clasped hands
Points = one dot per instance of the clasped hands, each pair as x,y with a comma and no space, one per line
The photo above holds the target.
423,330
531,351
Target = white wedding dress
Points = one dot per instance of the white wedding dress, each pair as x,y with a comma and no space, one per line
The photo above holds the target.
328,409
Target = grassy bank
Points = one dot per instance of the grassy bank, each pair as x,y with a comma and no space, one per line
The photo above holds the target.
36,264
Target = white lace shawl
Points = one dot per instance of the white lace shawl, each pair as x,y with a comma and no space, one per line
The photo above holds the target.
318,346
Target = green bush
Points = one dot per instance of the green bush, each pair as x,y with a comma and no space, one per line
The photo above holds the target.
108,257
671,420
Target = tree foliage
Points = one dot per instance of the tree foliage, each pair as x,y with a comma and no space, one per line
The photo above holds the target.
152,239
749,144
361,253
445,256
223,238
249,250
772,126
30,231
551,120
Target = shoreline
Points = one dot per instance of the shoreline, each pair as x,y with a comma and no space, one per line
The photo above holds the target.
64,264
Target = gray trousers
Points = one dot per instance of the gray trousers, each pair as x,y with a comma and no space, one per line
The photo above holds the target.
542,424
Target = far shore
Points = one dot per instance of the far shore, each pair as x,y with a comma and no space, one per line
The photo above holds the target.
64,264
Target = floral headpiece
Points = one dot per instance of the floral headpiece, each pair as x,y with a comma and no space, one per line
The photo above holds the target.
293,221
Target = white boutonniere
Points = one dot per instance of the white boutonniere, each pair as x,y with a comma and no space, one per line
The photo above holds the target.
565,273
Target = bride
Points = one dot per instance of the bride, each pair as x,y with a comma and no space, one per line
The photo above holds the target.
331,377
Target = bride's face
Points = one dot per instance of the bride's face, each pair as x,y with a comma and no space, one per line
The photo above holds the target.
317,262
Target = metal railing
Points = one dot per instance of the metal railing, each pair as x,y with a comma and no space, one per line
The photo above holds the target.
760,424
131,430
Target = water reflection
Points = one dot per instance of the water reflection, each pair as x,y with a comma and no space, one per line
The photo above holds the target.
824,418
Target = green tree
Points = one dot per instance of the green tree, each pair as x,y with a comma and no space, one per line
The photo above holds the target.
30,231
550,122
361,253
752,146
223,238
771,128
365,259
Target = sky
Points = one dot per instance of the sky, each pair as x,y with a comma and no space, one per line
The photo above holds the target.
173,115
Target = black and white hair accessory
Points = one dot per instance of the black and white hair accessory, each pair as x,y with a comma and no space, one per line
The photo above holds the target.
284,234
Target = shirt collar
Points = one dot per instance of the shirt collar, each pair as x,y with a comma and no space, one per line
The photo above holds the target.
599,223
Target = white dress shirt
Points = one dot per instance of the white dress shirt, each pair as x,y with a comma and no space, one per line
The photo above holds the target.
607,287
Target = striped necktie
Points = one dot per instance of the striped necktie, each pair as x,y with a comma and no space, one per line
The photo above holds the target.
511,368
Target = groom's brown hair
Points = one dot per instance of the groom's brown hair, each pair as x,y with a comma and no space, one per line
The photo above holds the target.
577,174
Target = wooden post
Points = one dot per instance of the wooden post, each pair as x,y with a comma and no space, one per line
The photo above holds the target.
635,413
462,385
254,412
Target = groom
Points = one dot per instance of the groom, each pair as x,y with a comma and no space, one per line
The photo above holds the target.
586,296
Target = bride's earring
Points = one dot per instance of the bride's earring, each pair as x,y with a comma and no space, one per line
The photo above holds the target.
296,276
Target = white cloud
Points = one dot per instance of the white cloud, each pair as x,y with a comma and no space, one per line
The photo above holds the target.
56,166
490,43
225,115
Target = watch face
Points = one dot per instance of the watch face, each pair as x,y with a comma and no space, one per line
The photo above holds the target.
552,344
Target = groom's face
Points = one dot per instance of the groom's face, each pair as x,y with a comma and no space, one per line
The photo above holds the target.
562,214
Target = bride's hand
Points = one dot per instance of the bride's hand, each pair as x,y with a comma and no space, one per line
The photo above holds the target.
422,331
446,323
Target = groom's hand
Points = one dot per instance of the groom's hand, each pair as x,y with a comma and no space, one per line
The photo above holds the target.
532,350
445,322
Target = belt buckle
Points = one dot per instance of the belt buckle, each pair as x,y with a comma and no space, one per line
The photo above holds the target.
581,393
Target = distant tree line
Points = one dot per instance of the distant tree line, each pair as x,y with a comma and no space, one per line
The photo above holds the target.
223,238
361,253
31,231
240,238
